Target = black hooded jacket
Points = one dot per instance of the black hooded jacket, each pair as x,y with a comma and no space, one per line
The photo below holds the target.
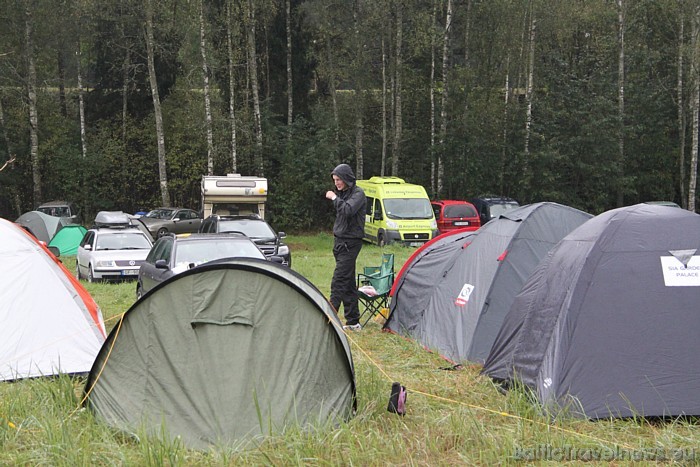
350,206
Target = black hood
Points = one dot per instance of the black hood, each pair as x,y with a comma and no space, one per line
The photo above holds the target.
345,173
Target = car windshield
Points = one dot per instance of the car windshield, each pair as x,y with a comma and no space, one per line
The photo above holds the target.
251,228
56,211
498,209
122,241
201,251
459,210
408,208
160,214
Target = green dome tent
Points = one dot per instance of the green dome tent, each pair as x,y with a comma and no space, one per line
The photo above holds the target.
225,353
68,238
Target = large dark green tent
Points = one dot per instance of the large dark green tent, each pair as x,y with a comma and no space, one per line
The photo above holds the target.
225,353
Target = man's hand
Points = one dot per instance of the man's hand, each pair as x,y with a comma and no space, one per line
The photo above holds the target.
331,195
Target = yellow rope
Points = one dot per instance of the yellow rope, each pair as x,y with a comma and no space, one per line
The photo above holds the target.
477,407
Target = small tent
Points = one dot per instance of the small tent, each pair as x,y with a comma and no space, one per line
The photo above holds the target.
608,324
224,353
453,296
41,225
50,324
68,238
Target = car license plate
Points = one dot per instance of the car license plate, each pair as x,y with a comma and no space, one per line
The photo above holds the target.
415,243
462,223
130,272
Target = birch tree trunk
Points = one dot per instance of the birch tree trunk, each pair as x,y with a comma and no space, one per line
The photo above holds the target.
445,95
621,103
125,92
433,179
504,149
253,70
384,92
231,85
207,97
160,135
10,160
396,152
81,100
359,94
528,98
695,76
32,103
290,99
681,108
467,28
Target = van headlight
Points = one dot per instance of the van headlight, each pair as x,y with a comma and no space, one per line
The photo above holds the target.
433,224
283,250
392,224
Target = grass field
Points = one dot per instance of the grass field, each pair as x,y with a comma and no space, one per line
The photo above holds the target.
453,417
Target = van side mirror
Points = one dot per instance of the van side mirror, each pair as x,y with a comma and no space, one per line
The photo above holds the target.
378,216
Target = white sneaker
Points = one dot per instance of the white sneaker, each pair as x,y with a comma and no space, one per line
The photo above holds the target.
353,327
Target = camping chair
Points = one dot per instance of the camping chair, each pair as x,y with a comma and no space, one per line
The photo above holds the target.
373,287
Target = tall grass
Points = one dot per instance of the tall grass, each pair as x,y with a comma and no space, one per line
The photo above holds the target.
453,417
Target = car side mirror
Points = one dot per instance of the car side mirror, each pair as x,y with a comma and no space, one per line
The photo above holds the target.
281,235
88,246
176,219
161,264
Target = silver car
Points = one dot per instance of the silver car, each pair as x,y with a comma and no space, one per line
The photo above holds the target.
161,221
112,253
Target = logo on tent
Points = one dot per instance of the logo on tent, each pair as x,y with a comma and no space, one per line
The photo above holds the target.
464,294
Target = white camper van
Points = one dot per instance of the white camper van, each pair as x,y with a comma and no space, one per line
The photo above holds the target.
233,195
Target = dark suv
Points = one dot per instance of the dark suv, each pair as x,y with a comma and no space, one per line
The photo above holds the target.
490,206
254,227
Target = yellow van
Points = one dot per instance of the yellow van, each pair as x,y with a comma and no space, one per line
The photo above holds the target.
397,212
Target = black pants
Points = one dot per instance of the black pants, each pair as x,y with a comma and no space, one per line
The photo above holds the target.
343,287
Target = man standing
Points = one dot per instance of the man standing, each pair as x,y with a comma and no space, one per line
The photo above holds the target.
349,228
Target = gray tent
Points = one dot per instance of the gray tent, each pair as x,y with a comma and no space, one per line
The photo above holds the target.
225,353
608,324
41,225
453,295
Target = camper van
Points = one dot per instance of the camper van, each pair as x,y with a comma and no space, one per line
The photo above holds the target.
233,195
397,212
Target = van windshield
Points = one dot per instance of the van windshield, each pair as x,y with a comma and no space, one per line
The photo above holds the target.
408,208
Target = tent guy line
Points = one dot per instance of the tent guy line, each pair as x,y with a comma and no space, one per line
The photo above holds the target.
478,407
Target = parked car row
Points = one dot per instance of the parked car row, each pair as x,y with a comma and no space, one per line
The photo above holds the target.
460,214
119,247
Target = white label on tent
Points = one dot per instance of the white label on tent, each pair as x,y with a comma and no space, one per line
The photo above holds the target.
677,275
464,294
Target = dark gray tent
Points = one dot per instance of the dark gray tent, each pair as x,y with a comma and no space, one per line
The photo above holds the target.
608,324
41,225
225,353
453,295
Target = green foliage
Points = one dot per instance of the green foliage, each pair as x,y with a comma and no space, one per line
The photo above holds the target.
574,142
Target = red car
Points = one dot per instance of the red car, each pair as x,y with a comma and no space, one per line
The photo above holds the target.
454,214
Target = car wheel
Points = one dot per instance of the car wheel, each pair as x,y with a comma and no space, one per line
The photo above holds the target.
91,276
77,271
380,240
139,291
162,231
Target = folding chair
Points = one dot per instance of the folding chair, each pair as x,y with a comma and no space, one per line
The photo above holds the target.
373,287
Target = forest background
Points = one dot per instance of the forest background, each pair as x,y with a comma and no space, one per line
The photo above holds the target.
125,104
